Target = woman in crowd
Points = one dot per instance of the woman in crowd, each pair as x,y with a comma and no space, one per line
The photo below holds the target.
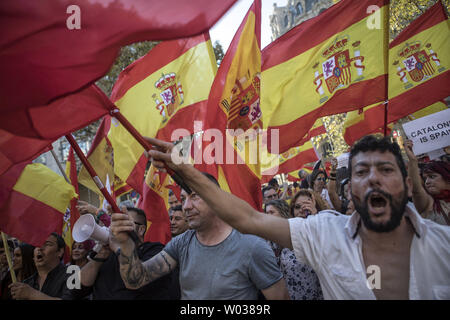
301,280
307,202
431,191
80,251
23,267
319,185
341,201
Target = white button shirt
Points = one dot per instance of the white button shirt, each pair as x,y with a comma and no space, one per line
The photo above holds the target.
330,244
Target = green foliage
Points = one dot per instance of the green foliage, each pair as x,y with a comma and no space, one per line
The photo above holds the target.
403,12
218,52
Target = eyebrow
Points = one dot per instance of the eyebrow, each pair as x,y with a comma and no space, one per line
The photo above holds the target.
378,163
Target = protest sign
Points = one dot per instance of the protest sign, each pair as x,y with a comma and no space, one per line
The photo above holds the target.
429,133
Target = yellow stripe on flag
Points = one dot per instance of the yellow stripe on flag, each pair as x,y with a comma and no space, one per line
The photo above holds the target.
419,59
193,75
289,90
41,183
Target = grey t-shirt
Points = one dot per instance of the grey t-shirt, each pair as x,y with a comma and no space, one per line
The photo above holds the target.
236,268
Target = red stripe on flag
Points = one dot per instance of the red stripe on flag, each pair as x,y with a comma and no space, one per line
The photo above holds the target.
431,17
316,30
161,55
156,212
28,219
362,93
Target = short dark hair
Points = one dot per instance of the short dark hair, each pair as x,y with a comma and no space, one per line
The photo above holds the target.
273,182
266,188
382,144
315,174
177,208
140,213
10,244
60,242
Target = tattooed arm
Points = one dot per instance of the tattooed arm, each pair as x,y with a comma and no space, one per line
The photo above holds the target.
136,274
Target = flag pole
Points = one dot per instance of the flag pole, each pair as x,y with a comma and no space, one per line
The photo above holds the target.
385,117
132,130
96,179
8,257
63,172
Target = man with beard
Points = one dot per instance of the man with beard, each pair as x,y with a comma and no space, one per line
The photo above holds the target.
215,261
50,280
384,250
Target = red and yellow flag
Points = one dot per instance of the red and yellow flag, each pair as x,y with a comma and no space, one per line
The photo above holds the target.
234,110
154,202
290,160
72,214
51,48
418,74
343,53
33,201
161,94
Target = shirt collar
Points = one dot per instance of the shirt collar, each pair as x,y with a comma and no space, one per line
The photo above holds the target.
417,222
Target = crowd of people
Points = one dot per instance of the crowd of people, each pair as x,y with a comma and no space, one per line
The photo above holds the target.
315,239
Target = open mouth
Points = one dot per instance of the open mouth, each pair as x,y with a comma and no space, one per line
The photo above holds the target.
39,257
377,203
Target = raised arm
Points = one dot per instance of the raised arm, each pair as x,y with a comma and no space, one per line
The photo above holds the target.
334,197
233,210
421,199
135,273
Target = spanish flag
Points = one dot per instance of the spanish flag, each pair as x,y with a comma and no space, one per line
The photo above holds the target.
72,214
154,203
161,95
288,161
418,74
33,202
419,64
16,149
58,118
100,156
50,48
343,53
233,108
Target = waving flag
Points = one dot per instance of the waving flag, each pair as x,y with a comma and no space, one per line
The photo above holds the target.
72,214
343,53
233,106
33,201
154,203
161,94
51,48
418,73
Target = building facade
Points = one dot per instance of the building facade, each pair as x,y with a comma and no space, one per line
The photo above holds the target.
295,12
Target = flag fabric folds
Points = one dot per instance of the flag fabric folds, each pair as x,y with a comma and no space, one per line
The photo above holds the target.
50,48
343,53
154,203
161,95
33,201
72,214
418,73
16,149
234,107
58,118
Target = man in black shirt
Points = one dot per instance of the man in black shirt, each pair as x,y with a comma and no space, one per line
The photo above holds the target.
101,275
50,280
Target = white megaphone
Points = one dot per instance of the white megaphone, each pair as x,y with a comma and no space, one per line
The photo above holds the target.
86,228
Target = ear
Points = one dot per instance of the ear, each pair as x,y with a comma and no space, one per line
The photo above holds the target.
141,230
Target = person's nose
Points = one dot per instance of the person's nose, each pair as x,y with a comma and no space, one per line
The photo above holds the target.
374,177
187,205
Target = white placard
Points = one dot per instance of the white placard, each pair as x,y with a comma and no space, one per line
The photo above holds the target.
436,154
429,133
343,160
